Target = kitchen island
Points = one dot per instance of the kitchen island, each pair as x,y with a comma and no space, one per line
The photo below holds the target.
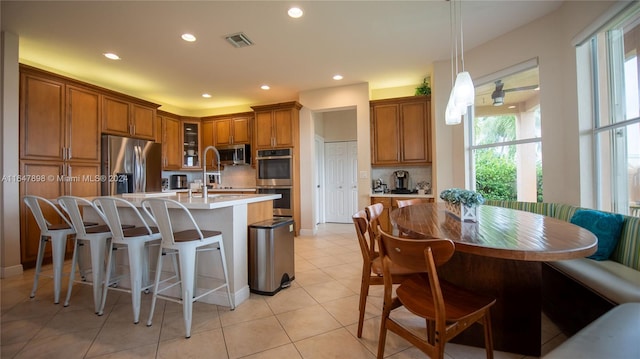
230,214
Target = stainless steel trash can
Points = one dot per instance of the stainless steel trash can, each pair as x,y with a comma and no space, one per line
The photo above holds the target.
271,256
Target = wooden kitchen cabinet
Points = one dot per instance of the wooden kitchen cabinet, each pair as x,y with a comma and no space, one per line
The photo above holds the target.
171,141
401,131
143,121
83,125
385,223
61,120
208,136
42,124
58,121
277,126
51,179
124,118
233,130
190,135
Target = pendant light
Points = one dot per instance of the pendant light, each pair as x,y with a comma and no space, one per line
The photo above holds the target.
463,92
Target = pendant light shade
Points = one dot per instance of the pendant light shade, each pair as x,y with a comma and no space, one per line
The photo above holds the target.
463,91
452,114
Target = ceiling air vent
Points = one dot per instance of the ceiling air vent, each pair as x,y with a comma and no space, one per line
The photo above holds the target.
239,40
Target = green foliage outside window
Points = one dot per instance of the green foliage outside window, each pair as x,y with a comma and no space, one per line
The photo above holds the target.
496,176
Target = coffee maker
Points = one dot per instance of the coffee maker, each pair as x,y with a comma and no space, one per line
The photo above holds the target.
401,181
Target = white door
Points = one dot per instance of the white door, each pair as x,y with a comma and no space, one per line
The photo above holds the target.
340,181
319,180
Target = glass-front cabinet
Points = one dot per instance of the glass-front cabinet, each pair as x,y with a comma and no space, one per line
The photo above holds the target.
191,144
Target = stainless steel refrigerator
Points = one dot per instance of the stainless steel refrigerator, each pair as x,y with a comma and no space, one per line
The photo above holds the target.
130,165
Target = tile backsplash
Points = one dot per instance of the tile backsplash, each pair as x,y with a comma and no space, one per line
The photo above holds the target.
232,176
416,174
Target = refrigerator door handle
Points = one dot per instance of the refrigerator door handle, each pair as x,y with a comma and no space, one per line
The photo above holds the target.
137,166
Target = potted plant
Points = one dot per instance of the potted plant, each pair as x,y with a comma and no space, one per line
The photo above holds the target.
462,203
424,88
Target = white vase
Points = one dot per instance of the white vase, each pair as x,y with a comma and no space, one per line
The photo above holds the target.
463,212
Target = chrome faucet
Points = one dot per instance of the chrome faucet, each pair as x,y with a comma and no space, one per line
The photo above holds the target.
217,174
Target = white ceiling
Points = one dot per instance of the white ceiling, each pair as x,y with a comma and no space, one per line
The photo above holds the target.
385,43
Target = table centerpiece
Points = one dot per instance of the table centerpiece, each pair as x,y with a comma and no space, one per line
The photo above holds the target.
462,203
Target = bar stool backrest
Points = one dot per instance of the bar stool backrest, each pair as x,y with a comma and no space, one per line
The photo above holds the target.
158,210
108,210
33,202
71,205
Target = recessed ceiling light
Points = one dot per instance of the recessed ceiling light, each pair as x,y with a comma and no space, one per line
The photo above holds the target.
206,95
512,106
265,87
295,12
111,56
337,77
188,37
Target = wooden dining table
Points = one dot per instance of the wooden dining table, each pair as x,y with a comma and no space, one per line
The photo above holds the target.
501,255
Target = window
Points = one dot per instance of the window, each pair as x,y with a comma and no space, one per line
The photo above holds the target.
505,142
616,112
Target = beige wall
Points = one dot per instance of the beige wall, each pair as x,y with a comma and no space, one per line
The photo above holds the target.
340,126
9,198
549,39
323,100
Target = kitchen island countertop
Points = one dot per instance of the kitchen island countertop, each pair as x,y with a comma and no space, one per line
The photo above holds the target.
213,200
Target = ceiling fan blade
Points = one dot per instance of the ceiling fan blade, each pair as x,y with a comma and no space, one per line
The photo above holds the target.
523,88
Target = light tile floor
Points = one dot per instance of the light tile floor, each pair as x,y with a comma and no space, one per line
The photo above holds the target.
315,318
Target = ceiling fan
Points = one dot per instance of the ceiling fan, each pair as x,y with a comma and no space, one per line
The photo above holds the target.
498,94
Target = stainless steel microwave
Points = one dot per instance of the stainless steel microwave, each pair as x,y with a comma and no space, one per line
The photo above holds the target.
235,155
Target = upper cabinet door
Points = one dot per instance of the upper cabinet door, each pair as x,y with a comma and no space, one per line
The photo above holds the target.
283,128
41,118
415,129
83,123
143,123
191,144
241,130
222,131
115,118
264,139
385,135
171,144
208,136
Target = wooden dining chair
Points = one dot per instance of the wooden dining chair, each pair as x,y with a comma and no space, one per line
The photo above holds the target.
410,202
371,265
447,309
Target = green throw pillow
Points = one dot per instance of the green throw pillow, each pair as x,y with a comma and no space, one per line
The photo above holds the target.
606,227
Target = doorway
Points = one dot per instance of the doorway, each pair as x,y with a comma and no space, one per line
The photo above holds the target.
335,148
341,181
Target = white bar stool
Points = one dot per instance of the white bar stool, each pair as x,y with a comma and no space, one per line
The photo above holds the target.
135,240
57,234
97,237
186,244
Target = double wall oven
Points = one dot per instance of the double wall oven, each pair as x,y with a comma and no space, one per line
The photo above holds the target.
274,172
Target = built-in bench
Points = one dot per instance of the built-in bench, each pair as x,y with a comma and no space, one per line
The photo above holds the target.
578,291
614,335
